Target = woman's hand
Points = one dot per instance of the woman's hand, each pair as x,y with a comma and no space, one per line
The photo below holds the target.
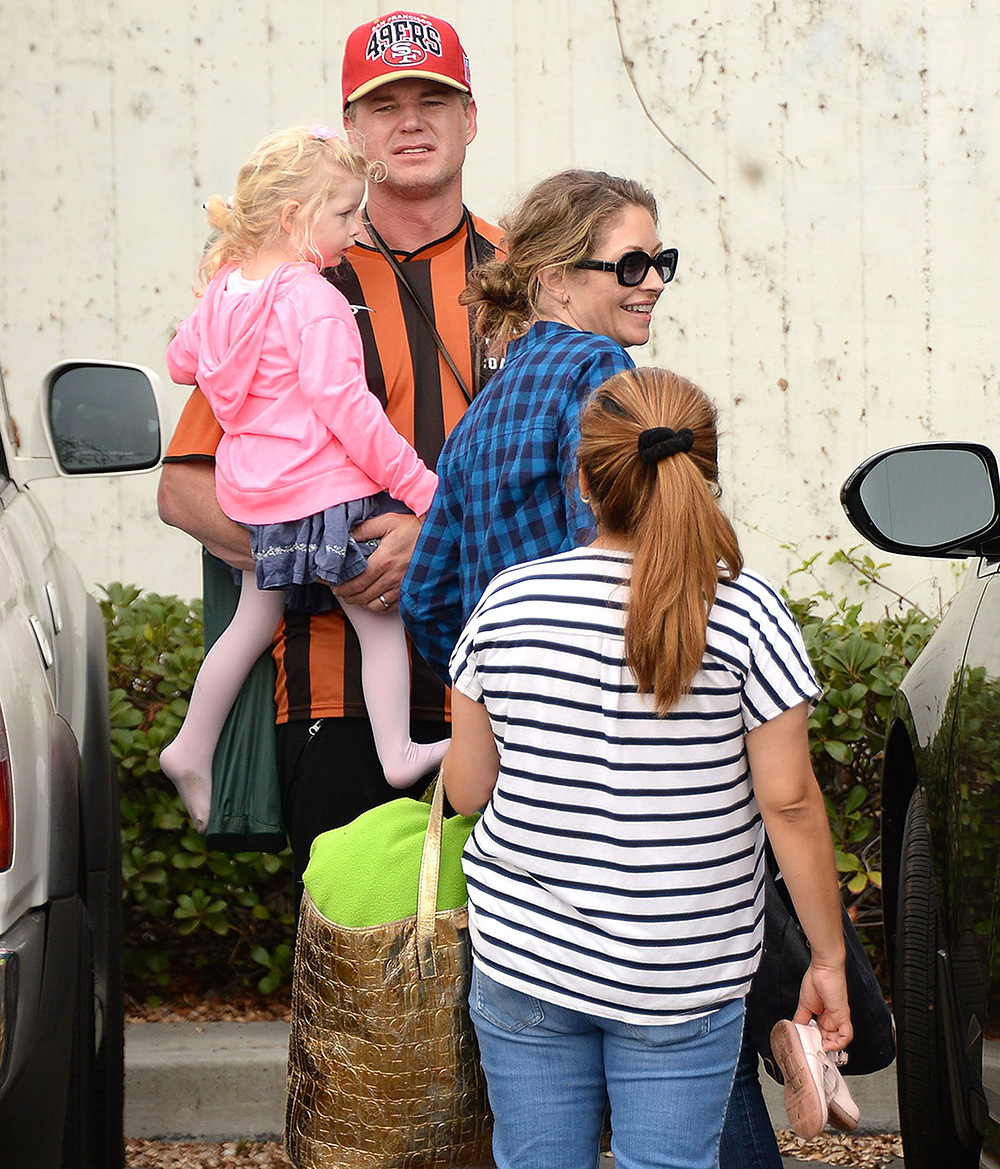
823,995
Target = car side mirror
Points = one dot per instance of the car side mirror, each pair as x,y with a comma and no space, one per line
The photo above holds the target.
929,499
102,418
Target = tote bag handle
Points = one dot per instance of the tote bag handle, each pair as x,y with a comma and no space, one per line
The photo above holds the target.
427,889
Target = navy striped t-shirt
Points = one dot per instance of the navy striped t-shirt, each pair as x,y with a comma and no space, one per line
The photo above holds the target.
617,867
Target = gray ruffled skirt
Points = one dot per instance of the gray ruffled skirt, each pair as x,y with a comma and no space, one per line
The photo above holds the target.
298,555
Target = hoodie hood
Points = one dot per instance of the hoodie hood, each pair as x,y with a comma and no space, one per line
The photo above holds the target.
233,327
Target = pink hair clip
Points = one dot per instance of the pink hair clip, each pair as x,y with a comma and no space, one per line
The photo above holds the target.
324,133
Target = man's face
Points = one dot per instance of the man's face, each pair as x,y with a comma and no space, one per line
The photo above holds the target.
419,129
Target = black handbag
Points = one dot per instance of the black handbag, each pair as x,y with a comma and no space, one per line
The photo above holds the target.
774,992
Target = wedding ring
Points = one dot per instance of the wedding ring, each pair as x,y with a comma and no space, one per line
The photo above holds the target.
385,603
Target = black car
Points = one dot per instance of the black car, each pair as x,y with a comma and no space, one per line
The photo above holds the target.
941,805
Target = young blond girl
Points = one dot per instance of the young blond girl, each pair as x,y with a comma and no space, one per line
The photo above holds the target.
307,452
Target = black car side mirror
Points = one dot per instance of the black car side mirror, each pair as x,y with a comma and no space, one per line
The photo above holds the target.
928,499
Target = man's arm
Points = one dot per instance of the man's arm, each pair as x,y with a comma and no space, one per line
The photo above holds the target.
186,500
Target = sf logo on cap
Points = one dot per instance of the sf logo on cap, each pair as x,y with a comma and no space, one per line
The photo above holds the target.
404,53
403,42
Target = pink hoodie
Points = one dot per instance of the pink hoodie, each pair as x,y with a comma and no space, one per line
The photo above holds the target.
282,368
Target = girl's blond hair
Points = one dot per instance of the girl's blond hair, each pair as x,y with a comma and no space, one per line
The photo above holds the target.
304,165
561,220
667,509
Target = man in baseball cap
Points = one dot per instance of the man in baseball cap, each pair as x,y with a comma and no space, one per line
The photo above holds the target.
408,99
400,45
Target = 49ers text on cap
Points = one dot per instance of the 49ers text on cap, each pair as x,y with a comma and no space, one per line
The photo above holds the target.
403,44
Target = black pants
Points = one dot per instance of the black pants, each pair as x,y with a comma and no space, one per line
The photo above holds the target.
329,773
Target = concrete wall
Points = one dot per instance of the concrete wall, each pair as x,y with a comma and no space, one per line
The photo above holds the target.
825,169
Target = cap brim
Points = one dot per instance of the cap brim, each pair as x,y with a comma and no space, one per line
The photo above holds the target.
400,75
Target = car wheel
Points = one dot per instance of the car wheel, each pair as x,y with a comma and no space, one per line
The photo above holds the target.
93,1132
930,1138
77,1133
108,1074
109,1063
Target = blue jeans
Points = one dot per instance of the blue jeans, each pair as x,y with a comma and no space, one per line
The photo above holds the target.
748,1140
551,1072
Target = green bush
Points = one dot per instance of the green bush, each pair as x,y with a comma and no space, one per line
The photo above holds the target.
193,917
859,663
234,912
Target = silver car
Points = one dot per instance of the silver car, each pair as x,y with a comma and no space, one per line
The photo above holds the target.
60,871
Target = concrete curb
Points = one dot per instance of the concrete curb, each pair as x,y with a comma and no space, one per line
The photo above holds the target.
205,1081
226,1081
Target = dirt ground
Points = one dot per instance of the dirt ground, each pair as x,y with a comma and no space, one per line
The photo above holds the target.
865,1152
859,1152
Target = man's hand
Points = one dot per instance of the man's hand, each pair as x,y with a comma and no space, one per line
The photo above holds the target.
377,588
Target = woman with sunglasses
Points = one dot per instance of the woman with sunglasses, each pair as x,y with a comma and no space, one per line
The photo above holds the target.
584,268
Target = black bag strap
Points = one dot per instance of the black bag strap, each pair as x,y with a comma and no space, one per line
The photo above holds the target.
390,258
774,992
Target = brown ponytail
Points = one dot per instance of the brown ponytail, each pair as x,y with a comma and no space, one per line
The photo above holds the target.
666,508
502,308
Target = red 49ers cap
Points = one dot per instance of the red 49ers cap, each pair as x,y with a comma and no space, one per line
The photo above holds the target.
403,44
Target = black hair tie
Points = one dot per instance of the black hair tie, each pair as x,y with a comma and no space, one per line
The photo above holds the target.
660,442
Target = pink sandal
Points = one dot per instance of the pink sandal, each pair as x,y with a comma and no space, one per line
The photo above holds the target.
815,1091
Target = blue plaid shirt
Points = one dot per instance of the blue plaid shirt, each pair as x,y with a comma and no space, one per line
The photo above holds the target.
508,484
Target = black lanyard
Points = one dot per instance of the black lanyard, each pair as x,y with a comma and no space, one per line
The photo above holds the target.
404,280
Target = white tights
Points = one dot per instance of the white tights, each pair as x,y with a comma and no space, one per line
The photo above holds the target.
385,679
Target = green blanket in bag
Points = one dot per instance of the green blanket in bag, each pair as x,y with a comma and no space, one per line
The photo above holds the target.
366,872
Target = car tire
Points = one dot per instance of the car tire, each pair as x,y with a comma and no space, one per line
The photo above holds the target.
926,1119
109,1062
93,1136
105,915
78,1147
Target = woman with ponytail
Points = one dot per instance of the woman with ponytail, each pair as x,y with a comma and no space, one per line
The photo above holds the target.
632,716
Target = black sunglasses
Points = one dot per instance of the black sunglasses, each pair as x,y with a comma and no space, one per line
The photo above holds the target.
633,267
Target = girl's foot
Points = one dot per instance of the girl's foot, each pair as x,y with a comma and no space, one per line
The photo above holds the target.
193,783
415,760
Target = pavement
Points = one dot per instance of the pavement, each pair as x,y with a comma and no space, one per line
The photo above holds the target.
226,1081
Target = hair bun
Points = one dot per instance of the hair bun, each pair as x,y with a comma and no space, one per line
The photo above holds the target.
501,286
217,213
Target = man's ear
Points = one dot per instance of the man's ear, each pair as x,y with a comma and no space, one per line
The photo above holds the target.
471,121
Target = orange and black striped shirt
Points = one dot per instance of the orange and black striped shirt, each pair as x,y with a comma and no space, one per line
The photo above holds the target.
318,657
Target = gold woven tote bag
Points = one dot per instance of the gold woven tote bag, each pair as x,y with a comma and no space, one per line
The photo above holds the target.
383,1067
